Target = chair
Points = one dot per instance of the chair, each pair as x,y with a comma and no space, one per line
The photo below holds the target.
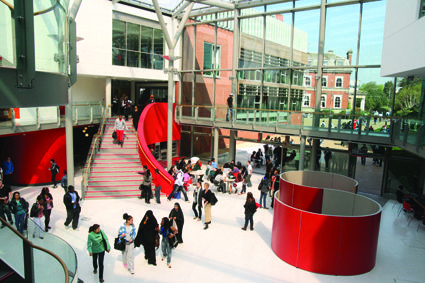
421,222
407,207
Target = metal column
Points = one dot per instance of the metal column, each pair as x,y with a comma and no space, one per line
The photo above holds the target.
215,152
108,96
302,152
69,137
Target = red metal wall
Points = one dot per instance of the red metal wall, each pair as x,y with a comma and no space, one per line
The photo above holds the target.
306,239
31,153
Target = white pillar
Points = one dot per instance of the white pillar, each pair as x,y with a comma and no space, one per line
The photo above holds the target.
108,98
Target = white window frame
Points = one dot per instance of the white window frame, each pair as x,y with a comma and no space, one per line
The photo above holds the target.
216,60
305,81
326,81
340,101
342,82
323,101
308,96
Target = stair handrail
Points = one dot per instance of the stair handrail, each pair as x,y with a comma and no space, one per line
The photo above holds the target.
27,246
94,148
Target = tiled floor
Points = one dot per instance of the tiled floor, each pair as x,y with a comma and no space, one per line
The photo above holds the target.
225,253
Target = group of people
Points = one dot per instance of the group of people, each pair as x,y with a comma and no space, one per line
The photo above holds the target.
147,235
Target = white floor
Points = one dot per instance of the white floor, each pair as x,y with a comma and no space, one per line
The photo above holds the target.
225,253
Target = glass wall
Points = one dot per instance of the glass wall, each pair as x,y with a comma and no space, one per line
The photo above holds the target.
135,45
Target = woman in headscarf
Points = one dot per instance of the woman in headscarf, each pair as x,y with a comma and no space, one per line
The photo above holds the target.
148,229
176,214
48,206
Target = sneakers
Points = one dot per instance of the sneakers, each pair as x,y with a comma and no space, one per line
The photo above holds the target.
169,266
131,272
41,237
94,271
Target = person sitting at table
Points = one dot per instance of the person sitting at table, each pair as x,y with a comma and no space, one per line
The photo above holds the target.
197,166
210,171
237,183
253,156
219,181
187,181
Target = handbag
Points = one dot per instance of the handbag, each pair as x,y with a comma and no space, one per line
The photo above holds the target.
119,244
114,135
157,241
104,241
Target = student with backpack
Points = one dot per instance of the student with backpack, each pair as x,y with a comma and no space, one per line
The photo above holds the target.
54,169
37,213
264,187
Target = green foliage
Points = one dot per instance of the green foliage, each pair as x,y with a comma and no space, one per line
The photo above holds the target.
375,96
408,98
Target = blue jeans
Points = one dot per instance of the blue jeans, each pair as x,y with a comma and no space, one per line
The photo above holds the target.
166,249
263,197
229,116
176,189
250,218
19,222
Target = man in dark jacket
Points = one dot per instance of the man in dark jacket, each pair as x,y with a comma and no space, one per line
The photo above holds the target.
71,200
229,115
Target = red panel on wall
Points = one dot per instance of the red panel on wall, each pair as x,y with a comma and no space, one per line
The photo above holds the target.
319,243
286,225
307,198
358,250
31,153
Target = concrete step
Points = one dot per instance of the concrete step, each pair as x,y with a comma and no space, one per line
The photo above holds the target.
114,183
110,174
96,179
118,166
108,194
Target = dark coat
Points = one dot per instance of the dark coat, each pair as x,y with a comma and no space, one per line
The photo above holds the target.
13,205
147,230
67,200
250,207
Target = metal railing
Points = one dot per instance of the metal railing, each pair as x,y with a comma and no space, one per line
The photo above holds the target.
29,264
94,148
39,116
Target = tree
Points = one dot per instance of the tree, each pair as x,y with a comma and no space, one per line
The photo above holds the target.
408,99
375,96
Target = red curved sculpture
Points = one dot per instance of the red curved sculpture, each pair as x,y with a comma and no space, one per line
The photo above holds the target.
153,129
325,230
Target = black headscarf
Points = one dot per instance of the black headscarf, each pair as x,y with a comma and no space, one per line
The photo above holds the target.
177,213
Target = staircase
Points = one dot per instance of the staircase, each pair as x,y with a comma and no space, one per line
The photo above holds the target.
114,170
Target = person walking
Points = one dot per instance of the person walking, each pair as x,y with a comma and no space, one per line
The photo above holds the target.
72,203
38,218
229,116
250,208
127,233
245,178
8,171
176,214
48,206
178,186
146,185
168,232
19,208
5,197
54,169
157,186
97,244
264,187
64,181
206,197
119,127
148,230
127,106
197,201
136,116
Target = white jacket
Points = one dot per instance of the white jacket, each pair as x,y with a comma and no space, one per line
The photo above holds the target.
120,124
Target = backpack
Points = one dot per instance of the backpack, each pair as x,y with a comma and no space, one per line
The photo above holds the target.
57,168
34,210
214,199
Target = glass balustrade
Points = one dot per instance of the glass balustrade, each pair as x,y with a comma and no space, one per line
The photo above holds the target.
412,131
48,266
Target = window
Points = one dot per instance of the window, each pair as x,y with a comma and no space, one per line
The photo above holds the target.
306,100
338,82
422,9
325,81
337,102
135,45
307,81
212,58
323,101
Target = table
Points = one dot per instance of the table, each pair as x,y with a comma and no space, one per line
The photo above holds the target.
229,183
198,173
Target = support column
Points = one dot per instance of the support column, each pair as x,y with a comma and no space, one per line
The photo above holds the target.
232,145
132,92
215,151
313,156
192,139
108,95
302,152
69,139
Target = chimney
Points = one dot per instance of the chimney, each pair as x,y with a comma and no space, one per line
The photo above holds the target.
279,17
349,55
